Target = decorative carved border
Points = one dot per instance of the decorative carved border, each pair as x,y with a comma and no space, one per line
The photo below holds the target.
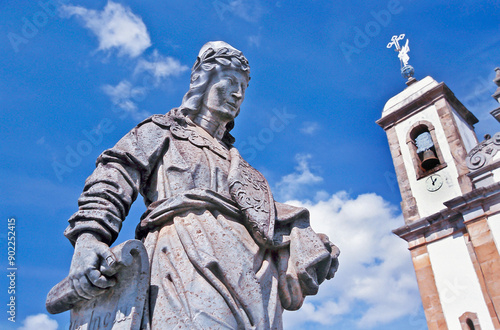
482,154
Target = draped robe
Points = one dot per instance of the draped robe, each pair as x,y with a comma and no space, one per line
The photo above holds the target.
223,253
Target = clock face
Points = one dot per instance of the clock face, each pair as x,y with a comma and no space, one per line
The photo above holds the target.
433,182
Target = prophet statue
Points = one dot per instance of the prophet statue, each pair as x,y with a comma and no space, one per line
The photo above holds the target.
223,254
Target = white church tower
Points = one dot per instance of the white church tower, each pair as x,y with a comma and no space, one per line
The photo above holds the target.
450,189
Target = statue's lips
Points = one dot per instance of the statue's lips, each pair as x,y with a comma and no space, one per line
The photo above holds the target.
232,105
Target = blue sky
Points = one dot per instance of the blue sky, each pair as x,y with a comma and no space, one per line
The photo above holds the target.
71,86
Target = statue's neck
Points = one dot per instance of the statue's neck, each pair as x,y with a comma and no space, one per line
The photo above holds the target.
215,128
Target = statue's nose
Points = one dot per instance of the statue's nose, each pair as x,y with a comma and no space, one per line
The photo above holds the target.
238,95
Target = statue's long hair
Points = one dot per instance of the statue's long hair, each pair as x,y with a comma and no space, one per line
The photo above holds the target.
213,61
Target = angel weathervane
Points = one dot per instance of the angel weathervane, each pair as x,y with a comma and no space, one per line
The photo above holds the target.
406,70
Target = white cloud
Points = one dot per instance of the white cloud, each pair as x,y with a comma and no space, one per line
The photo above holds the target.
116,27
126,96
293,184
39,321
249,10
118,92
160,66
254,40
309,128
122,94
375,283
479,100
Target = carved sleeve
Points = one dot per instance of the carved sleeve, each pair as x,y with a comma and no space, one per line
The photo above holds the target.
121,173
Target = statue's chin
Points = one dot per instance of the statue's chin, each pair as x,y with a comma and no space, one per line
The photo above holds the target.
226,113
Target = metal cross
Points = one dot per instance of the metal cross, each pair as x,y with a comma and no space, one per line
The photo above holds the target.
395,42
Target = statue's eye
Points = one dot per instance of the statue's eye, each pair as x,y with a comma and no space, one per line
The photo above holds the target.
232,80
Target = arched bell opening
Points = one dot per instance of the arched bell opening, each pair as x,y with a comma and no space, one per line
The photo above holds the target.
426,149
469,321
426,155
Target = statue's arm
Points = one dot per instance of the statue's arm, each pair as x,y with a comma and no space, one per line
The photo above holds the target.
120,174
114,185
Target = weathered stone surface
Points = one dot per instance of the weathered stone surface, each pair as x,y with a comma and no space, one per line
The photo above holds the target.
118,308
222,252
487,256
428,290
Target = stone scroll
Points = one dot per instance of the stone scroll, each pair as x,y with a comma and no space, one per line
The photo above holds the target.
120,307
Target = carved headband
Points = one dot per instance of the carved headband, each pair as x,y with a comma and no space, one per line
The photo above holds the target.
223,56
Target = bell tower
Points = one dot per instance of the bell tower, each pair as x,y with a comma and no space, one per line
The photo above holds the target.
430,133
450,206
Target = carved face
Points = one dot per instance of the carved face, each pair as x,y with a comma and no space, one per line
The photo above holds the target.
225,93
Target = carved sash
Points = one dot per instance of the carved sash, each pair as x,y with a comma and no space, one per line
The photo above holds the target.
252,193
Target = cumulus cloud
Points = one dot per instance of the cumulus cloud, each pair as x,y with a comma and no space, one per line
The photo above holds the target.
293,184
160,66
39,321
309,127
116,27
122,94
375,283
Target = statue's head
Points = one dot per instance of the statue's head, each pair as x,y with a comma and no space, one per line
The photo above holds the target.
216,58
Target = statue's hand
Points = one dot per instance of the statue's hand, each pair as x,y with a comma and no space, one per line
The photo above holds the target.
334,254
92,266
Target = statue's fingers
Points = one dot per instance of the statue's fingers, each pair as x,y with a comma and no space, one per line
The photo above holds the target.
333,269
109,266
90,289
326,241
108,270
79,290
99,280
335,250
324,238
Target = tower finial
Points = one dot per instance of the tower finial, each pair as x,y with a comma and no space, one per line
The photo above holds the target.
407,70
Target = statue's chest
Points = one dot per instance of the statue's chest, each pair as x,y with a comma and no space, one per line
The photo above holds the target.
194,162
202,162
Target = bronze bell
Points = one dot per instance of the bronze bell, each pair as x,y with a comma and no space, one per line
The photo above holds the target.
429,160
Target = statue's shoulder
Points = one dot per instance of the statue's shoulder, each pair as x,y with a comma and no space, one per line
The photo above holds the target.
163,121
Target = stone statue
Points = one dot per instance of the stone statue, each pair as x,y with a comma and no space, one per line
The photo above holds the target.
403,53
407,70
222,253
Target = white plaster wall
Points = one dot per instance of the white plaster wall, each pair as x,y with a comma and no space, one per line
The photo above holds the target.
429,202
466,131
496,173
494,224
456,281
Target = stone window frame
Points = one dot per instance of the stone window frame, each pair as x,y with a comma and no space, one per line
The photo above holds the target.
467,318
421,173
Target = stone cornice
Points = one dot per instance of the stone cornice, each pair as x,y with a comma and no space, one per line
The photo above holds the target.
475,198
448,221
431,228
496,113
417,105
